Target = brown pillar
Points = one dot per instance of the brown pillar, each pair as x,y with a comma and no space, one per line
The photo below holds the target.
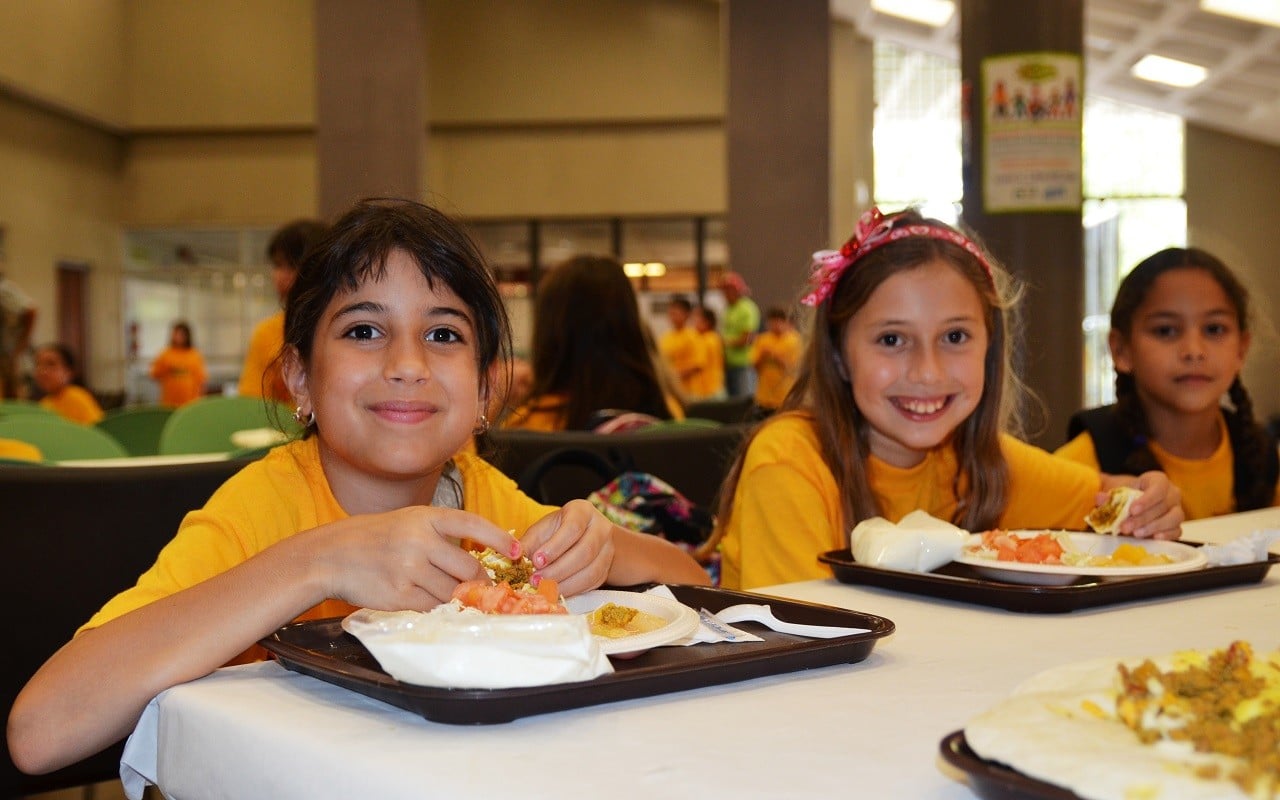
778,141
1021,185
370,87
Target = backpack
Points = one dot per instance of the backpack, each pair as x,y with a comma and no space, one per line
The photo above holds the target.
1113,446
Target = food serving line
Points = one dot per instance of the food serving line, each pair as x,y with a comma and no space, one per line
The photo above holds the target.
868,729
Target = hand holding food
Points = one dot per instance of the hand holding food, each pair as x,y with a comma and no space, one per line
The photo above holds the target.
573,546
1108,515
1157,510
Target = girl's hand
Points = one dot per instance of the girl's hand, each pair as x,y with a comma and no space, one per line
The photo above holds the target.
574,546
1157,513
407,559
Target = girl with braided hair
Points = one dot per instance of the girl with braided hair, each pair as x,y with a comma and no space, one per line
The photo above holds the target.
1180,331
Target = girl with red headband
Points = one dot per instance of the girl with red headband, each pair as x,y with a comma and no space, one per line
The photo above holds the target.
904,401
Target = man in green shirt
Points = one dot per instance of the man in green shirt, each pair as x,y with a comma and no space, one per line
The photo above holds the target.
738,326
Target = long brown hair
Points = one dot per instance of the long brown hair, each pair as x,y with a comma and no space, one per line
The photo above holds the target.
822,392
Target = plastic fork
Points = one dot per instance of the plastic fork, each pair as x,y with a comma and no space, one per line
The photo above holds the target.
751,612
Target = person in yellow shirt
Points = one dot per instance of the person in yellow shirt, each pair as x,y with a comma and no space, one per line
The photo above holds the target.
591,351
775,354
14,450
179,369
56,377
899,405
394,334
261,375
711,387
1180,332
682,347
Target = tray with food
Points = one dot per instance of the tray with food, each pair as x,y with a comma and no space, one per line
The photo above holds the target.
1054,589
1195,724
637,663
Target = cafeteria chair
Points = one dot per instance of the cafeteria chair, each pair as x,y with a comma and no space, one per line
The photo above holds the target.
13,408
729,410
137,428
209,425
74,537
693,459
59,439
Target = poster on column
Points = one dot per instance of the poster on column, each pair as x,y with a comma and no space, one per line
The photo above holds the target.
1031,132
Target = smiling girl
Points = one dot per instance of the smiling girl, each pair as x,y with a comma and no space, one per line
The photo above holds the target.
902,403
1180,331
393,331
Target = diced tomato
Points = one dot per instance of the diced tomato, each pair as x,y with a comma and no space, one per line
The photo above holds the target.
500,598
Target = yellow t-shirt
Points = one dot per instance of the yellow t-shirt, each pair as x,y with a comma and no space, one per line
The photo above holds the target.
285,493
181,375
260,361
14,450
74,403
712,383
786,509
1207,484
686,355
775,357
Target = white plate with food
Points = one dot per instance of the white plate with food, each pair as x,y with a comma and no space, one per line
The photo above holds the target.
1057,558
656,620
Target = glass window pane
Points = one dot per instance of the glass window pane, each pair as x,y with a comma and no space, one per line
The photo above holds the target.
563,240
1131,151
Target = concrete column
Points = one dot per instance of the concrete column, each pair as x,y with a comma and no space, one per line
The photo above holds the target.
370,98
778,129
1034,230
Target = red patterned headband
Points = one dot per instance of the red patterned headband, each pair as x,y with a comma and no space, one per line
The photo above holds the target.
874,231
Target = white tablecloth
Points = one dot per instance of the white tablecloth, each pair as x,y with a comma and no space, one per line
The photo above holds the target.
868,730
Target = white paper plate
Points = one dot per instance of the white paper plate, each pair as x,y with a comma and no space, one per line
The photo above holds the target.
682,621
1184,559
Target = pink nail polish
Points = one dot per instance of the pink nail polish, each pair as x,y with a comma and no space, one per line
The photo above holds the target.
515,549
539,559
535,579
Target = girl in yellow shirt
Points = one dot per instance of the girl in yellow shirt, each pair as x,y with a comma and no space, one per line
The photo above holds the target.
394,334
56,376
901,404
1180,331
179,369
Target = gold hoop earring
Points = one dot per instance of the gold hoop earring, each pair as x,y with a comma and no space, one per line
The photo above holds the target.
482,427
306,421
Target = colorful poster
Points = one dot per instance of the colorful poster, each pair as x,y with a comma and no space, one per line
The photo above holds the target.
1031,132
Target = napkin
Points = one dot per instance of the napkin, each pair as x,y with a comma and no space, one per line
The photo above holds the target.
1245,549
709,629
919,542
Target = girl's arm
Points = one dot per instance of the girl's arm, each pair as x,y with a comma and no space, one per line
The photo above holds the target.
1158,513
91,692
580,549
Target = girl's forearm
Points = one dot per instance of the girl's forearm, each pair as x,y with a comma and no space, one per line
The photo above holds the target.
644,558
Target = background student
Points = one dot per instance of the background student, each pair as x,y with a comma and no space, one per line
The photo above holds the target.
179,368
260,376
738,326
775,354
902,404
711,386
58,380
1180,331
682,347
394,335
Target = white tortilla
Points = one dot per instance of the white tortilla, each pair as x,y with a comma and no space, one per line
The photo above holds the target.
1121,498
1043,731
919,542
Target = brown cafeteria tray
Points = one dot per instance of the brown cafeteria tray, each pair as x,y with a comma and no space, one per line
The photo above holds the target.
323,650
963,583
992,780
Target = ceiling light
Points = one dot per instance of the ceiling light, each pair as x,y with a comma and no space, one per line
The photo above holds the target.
1264,12
655,269
934,13
1168,70
633,269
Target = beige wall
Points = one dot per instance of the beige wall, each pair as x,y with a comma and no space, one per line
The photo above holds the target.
60,203
1233,193
68,54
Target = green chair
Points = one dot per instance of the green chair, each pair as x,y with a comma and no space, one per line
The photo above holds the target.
60,439
207,425
13,408
136,427
679,424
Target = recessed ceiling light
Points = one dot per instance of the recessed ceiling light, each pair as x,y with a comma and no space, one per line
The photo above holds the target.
1168,70
934,13
1264,12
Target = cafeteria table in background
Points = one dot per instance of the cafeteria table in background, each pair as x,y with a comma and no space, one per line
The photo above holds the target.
870,729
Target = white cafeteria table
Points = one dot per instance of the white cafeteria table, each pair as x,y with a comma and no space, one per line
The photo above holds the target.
869,729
